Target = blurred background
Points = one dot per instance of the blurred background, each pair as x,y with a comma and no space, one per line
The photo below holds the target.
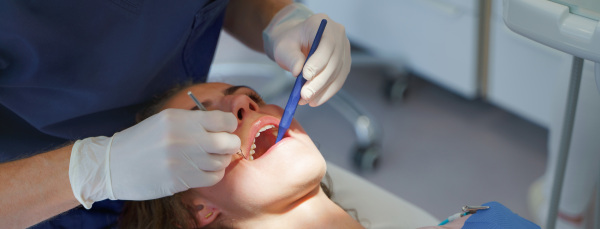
454,107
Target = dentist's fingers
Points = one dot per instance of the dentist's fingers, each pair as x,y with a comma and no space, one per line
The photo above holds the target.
329,92
321,82
291,57
332,86
320,58
221,143
209,162
288,39
217,121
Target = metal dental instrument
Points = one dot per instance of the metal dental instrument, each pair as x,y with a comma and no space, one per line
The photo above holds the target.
202,108
198,104
473,209
466,210
292,104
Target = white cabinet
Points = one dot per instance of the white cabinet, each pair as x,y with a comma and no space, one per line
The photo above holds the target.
435,38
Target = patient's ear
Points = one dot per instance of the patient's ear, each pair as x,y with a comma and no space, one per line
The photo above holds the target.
205,212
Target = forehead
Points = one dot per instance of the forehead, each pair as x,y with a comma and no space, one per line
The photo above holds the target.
213,87
206,88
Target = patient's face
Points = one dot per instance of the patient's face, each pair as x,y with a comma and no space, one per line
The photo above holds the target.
279,176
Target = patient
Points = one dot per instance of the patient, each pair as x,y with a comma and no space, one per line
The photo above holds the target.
278,184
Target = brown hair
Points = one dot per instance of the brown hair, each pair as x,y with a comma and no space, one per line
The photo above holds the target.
171,211
166,212
154,105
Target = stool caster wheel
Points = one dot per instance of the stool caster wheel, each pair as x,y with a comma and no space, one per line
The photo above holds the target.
396,89
366,158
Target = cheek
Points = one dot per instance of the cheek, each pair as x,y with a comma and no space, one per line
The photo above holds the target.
238,192
272,110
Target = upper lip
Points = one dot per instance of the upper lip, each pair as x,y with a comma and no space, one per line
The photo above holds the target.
255,127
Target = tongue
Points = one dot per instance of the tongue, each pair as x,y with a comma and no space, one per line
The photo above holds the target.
264,142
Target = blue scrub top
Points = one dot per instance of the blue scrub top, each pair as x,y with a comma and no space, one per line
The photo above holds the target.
71,69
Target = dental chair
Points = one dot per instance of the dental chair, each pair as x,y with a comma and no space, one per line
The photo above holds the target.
376,208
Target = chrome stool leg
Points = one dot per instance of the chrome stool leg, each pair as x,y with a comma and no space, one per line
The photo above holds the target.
367,129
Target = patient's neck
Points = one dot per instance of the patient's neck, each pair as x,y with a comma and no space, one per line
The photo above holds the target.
316,211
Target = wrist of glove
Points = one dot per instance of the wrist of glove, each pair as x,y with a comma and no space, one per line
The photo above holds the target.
167,153
89,165
289,16
287,40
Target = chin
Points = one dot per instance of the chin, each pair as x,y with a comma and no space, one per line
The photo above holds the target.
302,164
294,169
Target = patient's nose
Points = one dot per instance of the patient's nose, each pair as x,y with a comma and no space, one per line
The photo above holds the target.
242,105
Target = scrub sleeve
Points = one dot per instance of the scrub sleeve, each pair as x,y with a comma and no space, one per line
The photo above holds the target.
72,69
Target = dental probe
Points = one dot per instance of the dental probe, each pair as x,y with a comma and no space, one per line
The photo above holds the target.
202,108
198,104
292,104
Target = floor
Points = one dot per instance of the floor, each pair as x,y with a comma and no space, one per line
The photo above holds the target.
439,150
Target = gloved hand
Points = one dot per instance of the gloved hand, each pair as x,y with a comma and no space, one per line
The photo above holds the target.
167,153
287,41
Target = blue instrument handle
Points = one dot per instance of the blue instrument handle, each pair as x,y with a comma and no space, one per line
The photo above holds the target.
292,104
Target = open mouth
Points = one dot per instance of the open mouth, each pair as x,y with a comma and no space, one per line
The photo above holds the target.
263,141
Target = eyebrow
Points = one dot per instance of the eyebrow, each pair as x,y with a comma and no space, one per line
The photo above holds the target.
233,89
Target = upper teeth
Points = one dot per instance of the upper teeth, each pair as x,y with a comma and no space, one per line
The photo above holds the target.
254,142
263,129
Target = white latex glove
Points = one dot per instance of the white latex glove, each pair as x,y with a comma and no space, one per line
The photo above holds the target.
287,41
167,153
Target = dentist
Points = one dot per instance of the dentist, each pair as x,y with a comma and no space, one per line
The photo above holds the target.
74,73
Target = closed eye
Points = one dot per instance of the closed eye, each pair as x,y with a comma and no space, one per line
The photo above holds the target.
255,97
251,93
